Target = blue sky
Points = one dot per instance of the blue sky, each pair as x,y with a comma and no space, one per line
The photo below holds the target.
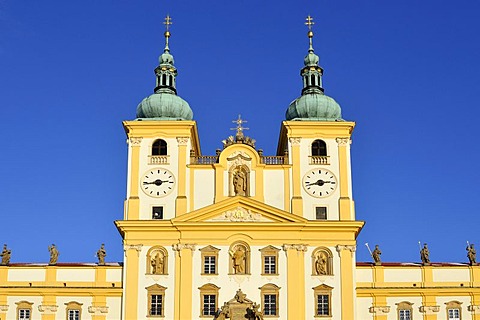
405,71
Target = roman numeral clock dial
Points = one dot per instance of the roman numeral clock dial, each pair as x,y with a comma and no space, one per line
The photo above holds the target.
157,182
319,182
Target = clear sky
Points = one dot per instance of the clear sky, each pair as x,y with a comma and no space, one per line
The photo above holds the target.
405,71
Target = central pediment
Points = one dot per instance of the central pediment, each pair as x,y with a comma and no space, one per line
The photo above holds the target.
239,209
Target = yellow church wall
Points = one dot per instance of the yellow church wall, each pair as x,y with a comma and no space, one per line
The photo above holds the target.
403,275
455,275
79,275
203,193
274,192
26,274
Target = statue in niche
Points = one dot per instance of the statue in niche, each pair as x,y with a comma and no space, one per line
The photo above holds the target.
239,261
425,254
240,183
101,254
321,262
157,263
376,255
5,256
472,254
53,254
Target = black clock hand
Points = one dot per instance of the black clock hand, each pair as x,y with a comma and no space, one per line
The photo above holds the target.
157,182
318,183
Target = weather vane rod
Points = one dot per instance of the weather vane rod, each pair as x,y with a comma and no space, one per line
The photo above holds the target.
167,23
309,23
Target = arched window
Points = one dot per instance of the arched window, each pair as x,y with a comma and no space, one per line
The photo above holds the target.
159,148
319,148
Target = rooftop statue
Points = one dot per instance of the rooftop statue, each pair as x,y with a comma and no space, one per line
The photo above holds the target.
101,254
6,253
53,254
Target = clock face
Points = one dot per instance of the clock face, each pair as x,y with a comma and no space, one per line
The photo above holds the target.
157,182
319,182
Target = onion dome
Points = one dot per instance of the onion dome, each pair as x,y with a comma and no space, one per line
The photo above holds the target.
164,103
313,104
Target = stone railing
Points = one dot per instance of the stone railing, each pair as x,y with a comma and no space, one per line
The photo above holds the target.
203,159
319,160
274,160
268,160
159,159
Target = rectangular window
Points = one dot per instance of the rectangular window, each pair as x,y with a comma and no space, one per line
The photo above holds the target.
270,305
453,314
321,213
24,314
209,306
73,314
157,213
156,305
209,265
270,265
323,305
404,315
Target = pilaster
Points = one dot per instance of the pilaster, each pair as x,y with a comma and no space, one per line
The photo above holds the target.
133,202
295,280
297,202
345,203
131,269
183,287
48,308
181,201
347,285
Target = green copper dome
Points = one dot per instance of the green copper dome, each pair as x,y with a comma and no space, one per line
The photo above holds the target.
313,104
165,104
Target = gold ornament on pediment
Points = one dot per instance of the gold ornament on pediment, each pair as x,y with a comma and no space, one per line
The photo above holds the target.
240,214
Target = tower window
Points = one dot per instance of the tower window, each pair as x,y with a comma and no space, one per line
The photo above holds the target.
319,148
164,80
157,213
312,80
321,213
159,148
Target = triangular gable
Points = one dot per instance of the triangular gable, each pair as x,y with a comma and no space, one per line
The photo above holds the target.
239,209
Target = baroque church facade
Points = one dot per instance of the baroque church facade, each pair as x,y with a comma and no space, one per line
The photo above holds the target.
239,234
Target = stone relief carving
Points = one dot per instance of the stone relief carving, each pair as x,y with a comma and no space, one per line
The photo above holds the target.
295,141
180,246
4,308
242,214
429,309
321,263
298,247
474,308
182,140
340,247
97,309
135,141
47,309
343,141
137,247
379,309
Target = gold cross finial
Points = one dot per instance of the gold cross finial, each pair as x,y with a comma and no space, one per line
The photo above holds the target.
168,22
239,127
309,22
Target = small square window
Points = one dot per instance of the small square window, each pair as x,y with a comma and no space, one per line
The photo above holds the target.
323,305
209,265
209,304
157,213
270,266
321,213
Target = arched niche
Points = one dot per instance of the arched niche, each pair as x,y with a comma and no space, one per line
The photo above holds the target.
239,258
157,260
322,262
